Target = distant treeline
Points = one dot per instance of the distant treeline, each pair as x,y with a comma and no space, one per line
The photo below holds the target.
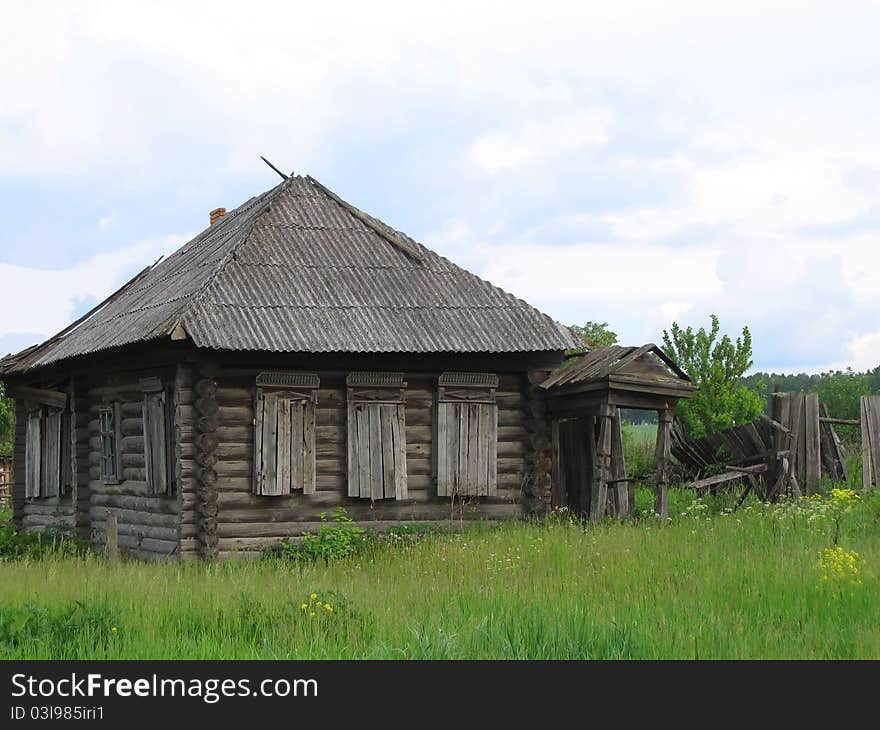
838,390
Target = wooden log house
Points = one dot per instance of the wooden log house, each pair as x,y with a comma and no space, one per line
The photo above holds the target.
296,356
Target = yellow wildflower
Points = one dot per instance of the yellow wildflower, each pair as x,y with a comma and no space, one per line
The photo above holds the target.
113,629
314,596
304,606
328,607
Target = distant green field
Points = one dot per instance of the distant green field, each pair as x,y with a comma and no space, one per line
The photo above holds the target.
709,583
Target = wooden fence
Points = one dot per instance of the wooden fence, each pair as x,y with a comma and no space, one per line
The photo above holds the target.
5,481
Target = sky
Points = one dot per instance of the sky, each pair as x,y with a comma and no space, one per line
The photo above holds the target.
628,163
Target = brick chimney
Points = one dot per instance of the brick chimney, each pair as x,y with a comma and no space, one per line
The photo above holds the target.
217,214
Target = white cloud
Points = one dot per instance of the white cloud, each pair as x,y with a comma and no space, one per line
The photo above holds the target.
52,295
498,151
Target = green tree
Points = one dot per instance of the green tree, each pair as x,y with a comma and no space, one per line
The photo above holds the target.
715,366
595,334
6,423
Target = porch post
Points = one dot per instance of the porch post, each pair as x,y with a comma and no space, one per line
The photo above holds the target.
620,488
661,484
601,463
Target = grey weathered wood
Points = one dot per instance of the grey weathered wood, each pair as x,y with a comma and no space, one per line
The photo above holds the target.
377,488
661,488
584,447
398,434
491,451
812,444
463,444
259,404
32,454
453,427
840,421
50,470
155,441
297,444
387,417
716,479
363,452
601,464
873,409
112,538
866,443
559,494
473,459
270,445
443,446
285,448
352,444
43,396
309,452
618,469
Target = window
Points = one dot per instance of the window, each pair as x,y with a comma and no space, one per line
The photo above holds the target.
466,435
284,433
376,436
43,457
158,437
108,420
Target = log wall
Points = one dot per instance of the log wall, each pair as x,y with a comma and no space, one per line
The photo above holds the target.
148,524
246,523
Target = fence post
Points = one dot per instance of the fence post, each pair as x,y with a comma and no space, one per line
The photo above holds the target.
112,537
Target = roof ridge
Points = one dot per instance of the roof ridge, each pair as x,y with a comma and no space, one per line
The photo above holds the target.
244,237
377,226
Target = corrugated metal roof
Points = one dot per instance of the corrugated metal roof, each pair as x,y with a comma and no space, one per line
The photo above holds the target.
297,269
645,362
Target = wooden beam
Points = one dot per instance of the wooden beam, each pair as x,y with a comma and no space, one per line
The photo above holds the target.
53,398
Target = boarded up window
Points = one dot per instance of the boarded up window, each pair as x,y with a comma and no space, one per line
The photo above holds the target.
109,424
43,452
376,436
284,435
466,434
158,437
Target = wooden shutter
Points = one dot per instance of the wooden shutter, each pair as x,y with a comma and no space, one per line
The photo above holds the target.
50,469
284,433
33,459
376,436
157,437
466,435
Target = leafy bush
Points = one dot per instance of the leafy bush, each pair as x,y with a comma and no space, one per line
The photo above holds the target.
337,539
716,367
16,545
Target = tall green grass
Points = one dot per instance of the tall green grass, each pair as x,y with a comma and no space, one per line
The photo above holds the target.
710,583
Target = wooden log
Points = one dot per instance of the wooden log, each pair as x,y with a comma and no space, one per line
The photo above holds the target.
812,452
112,536
840,421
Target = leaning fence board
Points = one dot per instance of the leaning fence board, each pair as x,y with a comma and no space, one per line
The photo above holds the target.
812,444
866,443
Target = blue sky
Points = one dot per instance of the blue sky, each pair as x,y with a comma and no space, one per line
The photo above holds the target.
619,162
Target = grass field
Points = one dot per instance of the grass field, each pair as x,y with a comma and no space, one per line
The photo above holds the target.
708,584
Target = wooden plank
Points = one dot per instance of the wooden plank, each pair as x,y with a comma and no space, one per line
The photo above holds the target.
618,469
112,537
840,421
716,479
258,443
873,402
441,455
363,451
51,398
812,453
398,434
309,451
866,443
387,416
270,444
51,468
661,489
297,443
463,487
453,426
584,447
284,449
492,452
482,477
800,438
377,489
33,459
352,451
473,475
